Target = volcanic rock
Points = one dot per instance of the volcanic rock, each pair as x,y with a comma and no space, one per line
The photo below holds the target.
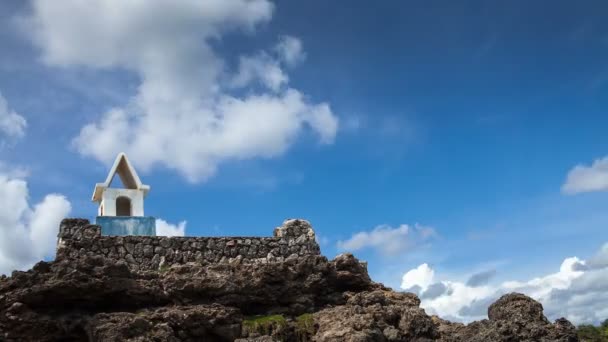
98,299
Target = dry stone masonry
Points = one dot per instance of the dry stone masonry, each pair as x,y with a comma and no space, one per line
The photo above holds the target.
78,239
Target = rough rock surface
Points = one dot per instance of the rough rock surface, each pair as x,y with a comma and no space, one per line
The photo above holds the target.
513,317
94,298
79,239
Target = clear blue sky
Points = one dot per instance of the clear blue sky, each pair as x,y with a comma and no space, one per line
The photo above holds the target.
461,116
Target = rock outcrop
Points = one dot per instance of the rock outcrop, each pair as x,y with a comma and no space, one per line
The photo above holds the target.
309,298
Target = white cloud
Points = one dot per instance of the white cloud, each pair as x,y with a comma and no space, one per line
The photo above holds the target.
11,171
11,123
388,240
577,291
28,234
421,276
261,67
266,68
600,259
290,50
587,178
481,278
187,114
163,228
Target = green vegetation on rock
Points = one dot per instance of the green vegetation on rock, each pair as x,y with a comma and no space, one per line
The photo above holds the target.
305,327
590,333
264,325
164,268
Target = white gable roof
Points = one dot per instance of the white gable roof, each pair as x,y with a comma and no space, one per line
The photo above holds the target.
127,175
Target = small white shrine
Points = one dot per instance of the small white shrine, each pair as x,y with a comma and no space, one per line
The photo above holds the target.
118,204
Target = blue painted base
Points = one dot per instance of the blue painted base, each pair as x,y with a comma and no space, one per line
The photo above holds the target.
127,225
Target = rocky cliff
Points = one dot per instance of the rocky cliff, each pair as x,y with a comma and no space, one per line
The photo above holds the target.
309,298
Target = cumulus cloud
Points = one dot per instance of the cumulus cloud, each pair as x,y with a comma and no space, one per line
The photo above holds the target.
388,240
291,50
435,290
163,228
28,234
192,110
263,68
577,291
12,124
599,260
584,178
421,276
481,278
584,301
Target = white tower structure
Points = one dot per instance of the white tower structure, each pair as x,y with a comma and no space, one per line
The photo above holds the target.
128,201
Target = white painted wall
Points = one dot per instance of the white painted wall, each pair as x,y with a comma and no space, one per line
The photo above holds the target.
108,201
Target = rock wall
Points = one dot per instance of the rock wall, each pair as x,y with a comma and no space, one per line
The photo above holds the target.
78,239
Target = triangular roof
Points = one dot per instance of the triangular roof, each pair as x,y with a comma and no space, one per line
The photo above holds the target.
127,175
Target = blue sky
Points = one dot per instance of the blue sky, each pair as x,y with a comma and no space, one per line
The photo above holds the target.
461,119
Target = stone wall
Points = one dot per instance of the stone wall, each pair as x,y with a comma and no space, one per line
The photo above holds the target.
78,238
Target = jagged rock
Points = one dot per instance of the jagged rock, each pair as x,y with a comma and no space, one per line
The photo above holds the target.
516,307
98,299
513,317
350,272
256,339
177,323
379,315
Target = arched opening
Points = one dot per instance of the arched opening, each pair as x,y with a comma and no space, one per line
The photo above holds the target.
123,206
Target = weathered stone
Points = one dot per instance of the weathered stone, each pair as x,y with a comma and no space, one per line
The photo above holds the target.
138,250
292,257
165,243
129,258
177,256
155,262
129,247
301,239
270,257
209,255
148,251
270,262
